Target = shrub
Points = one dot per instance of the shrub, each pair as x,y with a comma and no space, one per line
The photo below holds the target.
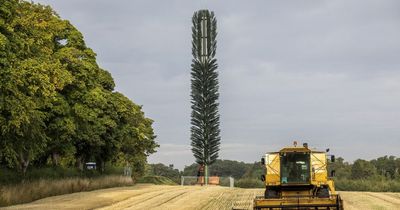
156,180
372,185
249,183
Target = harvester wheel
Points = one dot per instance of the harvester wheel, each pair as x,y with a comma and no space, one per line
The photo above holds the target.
323,192
271,193
340,203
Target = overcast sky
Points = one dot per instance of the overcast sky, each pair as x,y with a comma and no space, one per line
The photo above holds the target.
322,72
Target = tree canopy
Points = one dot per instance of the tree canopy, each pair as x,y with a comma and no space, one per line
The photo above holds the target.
56,104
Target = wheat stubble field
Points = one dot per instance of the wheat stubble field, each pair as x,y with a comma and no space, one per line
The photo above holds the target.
147,196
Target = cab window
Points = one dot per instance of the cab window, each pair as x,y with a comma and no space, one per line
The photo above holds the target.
295,168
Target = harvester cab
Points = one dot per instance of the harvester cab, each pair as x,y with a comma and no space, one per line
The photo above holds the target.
296,177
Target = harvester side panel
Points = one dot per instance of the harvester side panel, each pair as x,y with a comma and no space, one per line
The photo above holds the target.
273,169
319,166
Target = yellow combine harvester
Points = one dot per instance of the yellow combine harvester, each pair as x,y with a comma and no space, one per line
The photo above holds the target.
297,178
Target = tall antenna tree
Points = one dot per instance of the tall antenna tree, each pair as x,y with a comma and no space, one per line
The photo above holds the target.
205,132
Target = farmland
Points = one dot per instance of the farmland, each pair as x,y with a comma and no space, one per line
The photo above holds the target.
147,196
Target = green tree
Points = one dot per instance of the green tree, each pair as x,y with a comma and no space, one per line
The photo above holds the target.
56,102
205,132
342,168
60,129
362,169
30,78
89,97
160,169
136,135
386,166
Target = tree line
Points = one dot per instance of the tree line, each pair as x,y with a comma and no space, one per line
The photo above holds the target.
382,167
380,174
57,106
240,171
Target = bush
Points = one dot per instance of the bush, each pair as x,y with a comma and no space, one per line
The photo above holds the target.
371,185
164,171
52,173
222,168
160,180
9,176
249,183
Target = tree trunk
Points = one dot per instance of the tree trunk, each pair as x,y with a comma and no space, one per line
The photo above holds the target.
23,162
55,157
79,163
206,174
100,164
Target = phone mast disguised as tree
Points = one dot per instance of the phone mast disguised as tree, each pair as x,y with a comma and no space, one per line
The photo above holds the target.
205,132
